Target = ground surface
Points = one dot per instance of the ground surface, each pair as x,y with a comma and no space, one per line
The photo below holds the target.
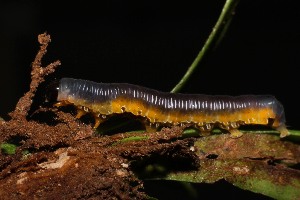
68,160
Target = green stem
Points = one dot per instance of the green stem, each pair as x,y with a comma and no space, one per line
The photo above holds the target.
214,37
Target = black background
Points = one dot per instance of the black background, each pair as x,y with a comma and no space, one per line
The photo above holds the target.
152,43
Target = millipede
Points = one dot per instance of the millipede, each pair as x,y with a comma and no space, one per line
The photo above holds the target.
205,112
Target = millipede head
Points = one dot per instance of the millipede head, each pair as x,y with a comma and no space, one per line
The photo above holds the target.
52,91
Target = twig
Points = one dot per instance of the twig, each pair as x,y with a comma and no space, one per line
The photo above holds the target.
37,77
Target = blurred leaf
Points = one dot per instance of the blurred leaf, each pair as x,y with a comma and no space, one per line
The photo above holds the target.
261,163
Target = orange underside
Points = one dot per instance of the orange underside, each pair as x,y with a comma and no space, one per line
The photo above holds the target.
225,120
174,116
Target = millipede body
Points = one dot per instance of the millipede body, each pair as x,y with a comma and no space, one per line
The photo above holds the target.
163,108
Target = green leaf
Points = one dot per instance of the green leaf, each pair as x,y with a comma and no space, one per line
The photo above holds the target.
8,148
131,139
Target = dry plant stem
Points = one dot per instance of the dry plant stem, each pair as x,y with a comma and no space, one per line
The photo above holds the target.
38,73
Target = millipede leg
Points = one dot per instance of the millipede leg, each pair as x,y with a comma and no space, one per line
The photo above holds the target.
98,121
205,129
283,131
80,113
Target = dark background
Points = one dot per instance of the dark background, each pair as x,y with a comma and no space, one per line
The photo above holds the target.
151,43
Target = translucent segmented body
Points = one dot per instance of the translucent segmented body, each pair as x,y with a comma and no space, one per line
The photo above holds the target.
203,111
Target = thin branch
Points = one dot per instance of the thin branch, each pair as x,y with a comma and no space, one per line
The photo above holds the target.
37,77
218,32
